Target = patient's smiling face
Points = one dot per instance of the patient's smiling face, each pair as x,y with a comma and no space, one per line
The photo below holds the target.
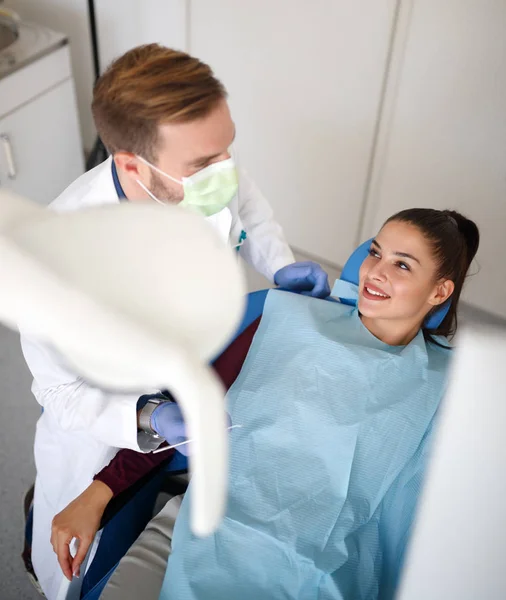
398,281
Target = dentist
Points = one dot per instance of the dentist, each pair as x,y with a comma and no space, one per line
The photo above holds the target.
165,120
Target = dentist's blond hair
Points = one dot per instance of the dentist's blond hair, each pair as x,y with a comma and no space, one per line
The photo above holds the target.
148,86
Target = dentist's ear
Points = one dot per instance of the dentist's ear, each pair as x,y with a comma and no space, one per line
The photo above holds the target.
132,166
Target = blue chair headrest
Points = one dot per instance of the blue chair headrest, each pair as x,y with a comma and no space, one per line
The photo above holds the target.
350,274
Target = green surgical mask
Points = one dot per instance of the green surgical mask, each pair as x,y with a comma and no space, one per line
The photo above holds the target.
208,191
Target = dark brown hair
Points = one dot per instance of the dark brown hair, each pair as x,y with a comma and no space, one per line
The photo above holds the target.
454,240
148,86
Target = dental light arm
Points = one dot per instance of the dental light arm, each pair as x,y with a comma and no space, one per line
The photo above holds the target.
103,287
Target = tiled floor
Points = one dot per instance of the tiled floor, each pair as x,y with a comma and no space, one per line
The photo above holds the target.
18,414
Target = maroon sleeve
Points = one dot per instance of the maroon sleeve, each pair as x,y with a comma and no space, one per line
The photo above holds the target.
229,364
128,466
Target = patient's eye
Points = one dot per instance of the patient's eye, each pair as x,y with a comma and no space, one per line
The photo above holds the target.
374,253
403,266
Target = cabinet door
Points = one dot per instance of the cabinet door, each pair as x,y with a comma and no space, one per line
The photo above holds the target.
305,82
40,145
442,143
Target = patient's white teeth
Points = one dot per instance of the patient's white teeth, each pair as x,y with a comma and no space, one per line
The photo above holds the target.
376,293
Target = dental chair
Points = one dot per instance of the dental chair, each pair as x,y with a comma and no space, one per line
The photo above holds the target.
128,514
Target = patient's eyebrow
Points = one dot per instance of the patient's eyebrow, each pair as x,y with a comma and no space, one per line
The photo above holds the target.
400,254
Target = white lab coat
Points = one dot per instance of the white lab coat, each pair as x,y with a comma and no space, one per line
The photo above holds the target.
82,427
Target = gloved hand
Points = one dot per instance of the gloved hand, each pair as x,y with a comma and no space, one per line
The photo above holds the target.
304,277
167,420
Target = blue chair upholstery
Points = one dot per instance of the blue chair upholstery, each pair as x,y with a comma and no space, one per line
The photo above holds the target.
352,267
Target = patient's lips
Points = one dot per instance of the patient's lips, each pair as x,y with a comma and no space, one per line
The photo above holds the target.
372,292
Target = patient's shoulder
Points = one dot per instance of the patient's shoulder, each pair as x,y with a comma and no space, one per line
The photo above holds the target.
440,352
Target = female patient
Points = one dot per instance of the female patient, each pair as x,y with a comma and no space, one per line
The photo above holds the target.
337,407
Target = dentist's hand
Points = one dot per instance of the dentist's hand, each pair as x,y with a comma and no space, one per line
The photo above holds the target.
167,421
304,277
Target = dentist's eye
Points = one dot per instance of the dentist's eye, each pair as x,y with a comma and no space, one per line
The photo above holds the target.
373,253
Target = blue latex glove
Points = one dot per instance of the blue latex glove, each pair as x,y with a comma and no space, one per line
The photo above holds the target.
167,420
306,277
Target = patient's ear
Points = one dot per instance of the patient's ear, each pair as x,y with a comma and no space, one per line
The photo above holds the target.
442,291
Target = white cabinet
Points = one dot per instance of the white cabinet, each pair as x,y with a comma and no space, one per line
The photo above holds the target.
305,82
442,141
40,154
40,144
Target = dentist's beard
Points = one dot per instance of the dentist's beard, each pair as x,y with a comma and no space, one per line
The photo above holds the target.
163,192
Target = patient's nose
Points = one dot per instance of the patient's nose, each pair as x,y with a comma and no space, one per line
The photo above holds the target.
378,271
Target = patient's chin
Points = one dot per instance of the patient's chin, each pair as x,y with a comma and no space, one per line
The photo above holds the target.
371,314
371,309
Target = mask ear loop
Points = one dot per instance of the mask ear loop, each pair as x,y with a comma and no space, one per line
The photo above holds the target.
152,196
147,163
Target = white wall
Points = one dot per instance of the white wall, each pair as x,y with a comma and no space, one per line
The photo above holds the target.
145,22
442,143
121,26
305,81
71,18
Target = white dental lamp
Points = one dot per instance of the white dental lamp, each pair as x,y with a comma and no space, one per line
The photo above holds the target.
458,548
136,297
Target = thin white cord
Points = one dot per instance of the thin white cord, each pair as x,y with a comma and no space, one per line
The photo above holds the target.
186,442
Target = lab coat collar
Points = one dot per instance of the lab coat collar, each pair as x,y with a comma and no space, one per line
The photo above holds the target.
116,181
